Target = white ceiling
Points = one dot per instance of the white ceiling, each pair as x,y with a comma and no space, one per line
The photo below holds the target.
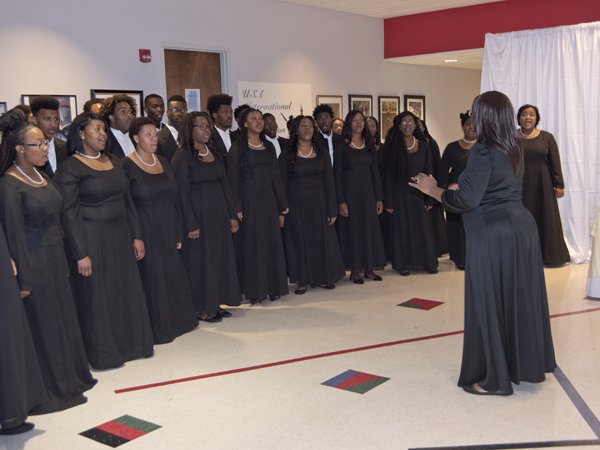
385,9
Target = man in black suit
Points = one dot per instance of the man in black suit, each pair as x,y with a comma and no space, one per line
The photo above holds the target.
323,115
221,114
167,137
237,115
270,130
119,110
154,106
46,117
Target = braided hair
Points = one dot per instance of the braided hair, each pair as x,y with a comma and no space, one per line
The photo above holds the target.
365,134
13,127
396,153
292,147
185,138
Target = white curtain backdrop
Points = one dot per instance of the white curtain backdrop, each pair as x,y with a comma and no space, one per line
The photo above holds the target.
558,70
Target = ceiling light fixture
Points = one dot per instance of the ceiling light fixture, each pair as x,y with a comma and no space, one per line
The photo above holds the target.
451,60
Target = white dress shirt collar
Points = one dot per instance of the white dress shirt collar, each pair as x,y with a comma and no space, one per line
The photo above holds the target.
226,137
124,140
275,143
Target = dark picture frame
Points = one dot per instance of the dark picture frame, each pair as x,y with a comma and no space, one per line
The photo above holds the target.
415,104
389,107
364,103
3,107
138,96
335,101
67,110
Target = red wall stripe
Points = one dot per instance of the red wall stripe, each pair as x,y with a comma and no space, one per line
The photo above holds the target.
465,28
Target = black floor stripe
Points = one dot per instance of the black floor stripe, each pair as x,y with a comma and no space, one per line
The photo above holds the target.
549,444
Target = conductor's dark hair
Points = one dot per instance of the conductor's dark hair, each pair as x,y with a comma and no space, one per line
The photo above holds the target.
13,128
87,106
397,162
25,108
493,120
176,98
239,110
366,134
377,137
109,104
74,142
321,109
136,126
150,97
464,117
44,102
185,139
537,113
214,102
292,147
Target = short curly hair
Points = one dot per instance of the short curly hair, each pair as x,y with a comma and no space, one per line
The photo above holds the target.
109,104
214,102
136,127
44,102
321,109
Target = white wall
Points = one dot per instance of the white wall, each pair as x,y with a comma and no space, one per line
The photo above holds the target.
70,46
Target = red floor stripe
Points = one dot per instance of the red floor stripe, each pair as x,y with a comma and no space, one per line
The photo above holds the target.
321,355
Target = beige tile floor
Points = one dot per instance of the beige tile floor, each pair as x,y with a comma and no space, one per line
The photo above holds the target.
286,407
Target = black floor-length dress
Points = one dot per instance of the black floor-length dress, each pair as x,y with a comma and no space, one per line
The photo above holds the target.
543,173
385,218
311,246
357,183
454,162
437,211
31,220
259,194
21,383
168,292
100,221
411,239
507,323
207,204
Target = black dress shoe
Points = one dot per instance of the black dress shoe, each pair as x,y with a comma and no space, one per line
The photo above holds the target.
224,313
434,271
358,280
274,297
405,273
253,301
328,287
213,319
471,390
23,428
299,291
374,277
460,267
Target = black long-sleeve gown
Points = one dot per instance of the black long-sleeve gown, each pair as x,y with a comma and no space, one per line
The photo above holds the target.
507,323
411,240
543,173
168,292
311,247
357,182
21,383
207,204
259,194
31,220
100,221
454,162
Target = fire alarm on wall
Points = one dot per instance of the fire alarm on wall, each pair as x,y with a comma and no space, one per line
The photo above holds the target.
145,55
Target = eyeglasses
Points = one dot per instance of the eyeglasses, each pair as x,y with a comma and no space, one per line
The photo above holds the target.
41,145
177,110
202,126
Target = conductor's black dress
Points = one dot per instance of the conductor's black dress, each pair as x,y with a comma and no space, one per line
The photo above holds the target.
100,221
507,324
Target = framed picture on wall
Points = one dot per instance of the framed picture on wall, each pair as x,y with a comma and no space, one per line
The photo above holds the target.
335,101
67,111
138,96
2,107
389,107
364,103
415,104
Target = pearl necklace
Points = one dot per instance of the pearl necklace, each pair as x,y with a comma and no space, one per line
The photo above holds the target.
307,156
255,146
414,143
145,163
205,154
526,135
469,142
90,157
358,148
25,175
